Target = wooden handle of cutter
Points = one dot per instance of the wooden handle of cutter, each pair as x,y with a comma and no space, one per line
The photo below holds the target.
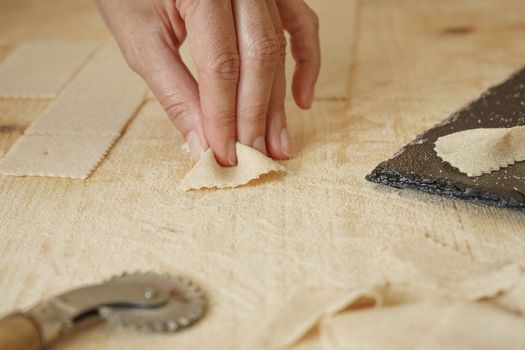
18,332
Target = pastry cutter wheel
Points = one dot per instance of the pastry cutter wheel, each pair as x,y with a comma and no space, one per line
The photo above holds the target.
146,301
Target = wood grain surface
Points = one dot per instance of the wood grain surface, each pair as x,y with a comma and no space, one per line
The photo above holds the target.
411,63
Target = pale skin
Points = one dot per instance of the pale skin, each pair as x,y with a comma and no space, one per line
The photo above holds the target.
238,47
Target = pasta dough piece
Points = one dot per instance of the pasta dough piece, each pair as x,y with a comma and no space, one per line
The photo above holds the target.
479,151
207,173
42,68
71,156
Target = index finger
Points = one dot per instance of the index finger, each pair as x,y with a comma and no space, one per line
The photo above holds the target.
213,44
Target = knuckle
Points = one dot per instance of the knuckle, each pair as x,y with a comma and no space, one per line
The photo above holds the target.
136,57
223,120
226,65
314,20
175,106
133,61
255,115
186,7
282,44
265,50
279,104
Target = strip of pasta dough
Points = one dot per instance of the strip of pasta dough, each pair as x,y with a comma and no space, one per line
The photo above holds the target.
76,130
49,155
42,68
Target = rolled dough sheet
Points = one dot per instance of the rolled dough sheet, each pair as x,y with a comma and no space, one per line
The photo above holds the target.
394,327
450,273
77,129
479,151
207,173
425,326
514,299
307,308
42,68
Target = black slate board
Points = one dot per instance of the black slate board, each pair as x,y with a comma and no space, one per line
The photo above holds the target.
418,167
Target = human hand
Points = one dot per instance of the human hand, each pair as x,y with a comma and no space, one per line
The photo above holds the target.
238,47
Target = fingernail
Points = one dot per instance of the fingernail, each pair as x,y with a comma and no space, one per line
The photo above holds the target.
286,146
194,144
260,144
232,155
311,96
